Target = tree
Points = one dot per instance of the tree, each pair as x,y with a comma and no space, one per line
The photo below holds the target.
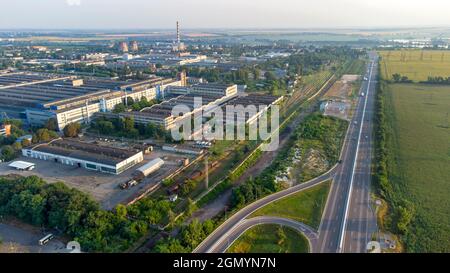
72,129
396,77
119,108
8,153
105,127
51,124
44,135
17,146
130,101
191,207
121,211
26,143
270,76
128,124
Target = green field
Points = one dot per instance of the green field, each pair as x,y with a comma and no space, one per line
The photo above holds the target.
270,239
417,65
419,161
305,207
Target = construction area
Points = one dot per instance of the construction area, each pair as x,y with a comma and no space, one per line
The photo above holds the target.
337,102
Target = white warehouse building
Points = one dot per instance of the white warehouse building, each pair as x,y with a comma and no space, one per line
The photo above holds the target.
85,155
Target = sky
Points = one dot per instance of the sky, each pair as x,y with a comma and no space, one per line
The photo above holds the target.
157,14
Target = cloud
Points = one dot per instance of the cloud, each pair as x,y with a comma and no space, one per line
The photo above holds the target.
73,2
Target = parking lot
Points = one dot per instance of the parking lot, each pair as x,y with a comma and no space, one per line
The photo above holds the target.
22,238
101,186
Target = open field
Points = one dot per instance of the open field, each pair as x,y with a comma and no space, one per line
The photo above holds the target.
306,206
417,65
270,239
419,160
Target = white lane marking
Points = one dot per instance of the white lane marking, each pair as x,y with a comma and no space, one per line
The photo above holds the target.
347,206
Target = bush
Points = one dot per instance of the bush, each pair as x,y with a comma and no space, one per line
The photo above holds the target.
8,153
72,129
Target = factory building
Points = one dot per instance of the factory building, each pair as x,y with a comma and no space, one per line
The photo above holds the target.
200,89
123,47
5,130
134,46
161,114
85,155
214,89
262,103
37,97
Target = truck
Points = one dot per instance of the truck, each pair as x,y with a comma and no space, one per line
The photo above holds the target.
129,184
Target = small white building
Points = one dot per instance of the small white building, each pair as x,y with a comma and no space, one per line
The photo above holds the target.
22,165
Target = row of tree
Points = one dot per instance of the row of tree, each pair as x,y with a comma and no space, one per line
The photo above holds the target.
134,105
402,211
126,127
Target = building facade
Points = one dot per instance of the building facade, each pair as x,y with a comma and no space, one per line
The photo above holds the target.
85,155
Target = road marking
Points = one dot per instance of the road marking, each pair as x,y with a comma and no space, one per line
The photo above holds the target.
347,206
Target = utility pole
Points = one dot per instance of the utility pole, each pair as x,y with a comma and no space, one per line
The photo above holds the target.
206,172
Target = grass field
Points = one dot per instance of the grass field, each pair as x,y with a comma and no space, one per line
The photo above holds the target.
270,239
419,160
306,206
417,65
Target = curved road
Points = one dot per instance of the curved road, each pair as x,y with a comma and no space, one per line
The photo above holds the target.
209,245
222,245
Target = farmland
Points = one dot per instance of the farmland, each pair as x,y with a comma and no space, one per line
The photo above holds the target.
417,65
416,146
270,239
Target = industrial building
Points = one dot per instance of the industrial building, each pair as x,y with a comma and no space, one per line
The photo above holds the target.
161,114
262,104
123,47
37,97
150,60
5,130
85,155
134,46
214,89
200,89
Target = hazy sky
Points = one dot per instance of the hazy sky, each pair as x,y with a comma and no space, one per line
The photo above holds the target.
222,13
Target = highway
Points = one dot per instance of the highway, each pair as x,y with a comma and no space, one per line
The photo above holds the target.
348,221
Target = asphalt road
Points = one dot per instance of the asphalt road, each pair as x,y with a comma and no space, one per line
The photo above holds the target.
222,245
212,243
348,221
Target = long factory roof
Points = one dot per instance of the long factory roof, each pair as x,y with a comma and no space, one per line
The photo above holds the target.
85,151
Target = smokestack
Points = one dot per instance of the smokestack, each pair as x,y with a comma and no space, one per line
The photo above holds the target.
178,33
